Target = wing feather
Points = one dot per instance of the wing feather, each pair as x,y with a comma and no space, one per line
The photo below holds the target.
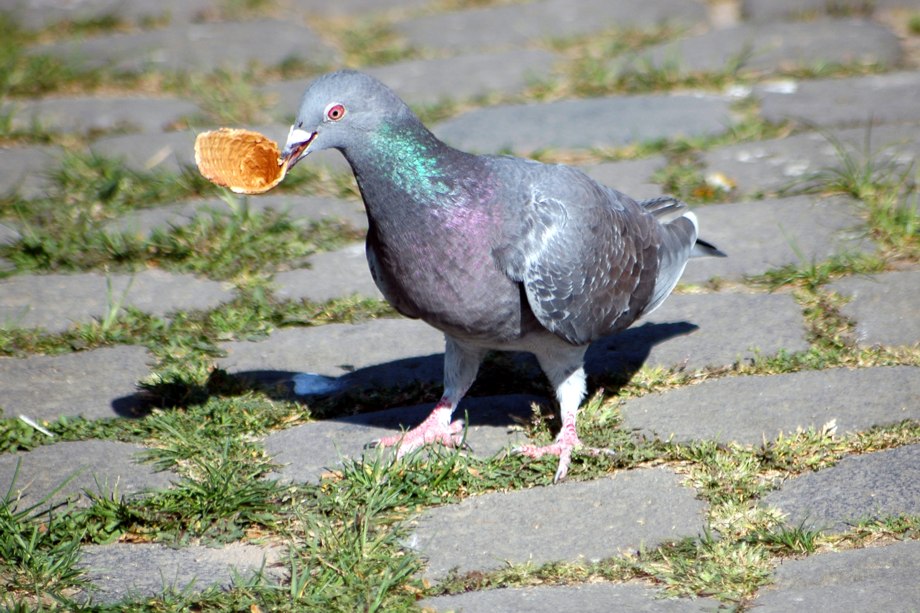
586,254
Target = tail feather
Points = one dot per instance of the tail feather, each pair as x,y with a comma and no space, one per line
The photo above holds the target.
676,244
679,242
703,248
664,208
668,208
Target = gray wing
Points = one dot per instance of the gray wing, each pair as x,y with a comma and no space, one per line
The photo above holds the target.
587,255
678,229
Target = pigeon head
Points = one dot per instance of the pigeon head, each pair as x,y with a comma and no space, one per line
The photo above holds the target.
341,110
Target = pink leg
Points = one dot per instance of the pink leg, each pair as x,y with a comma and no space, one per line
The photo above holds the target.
563,366
566,442
461,362
437,428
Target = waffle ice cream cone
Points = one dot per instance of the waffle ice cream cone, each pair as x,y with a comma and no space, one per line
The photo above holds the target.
246,162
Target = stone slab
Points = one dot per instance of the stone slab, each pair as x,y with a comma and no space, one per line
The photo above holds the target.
752,409
333,274
93,384
196,47
689,331
467,76
519,24
873,485
84,114
789,163
145,570
773,10
174,151
886,98
871,579
632,177
383,352
572,521
430,81
35,14
356,8
306,452
301,209
765,48
585,124
57,301
169,151
884,307
762,235
693,331
8,234
25,170
98,467
584,598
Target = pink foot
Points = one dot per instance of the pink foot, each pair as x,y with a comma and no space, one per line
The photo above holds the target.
436,428
565,444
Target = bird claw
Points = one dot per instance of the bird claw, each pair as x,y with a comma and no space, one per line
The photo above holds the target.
564,450
429,431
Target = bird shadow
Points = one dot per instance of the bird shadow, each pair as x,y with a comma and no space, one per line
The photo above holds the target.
400,392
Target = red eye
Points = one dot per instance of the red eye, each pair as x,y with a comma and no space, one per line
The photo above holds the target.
334,112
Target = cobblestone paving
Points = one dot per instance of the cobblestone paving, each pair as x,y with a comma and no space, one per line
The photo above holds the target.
718,323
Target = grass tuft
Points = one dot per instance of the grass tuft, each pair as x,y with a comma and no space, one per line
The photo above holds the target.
37,567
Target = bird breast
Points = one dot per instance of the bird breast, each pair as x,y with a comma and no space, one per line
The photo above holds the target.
439,268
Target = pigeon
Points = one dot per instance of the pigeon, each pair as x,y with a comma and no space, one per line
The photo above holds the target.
497,252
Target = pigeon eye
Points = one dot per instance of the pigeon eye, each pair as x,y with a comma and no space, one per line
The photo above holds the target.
335,111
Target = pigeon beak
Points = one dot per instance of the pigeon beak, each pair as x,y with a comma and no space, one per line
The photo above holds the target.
296,147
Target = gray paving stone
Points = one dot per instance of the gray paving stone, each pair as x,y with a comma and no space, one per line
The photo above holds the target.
884,307
690,331
357,8
301,209
872,579
335,274
873,485
8,234
467,76
421,82
519,24
886,98
698,330
144,570
25,170
773,47
383,352
632,177
780,164
54,302
584,598
773,10
306,452
169,151
754,408
84,114
35,14
590,520
761,235
284,98
93,384
98,467
196,47
583,124
173,151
